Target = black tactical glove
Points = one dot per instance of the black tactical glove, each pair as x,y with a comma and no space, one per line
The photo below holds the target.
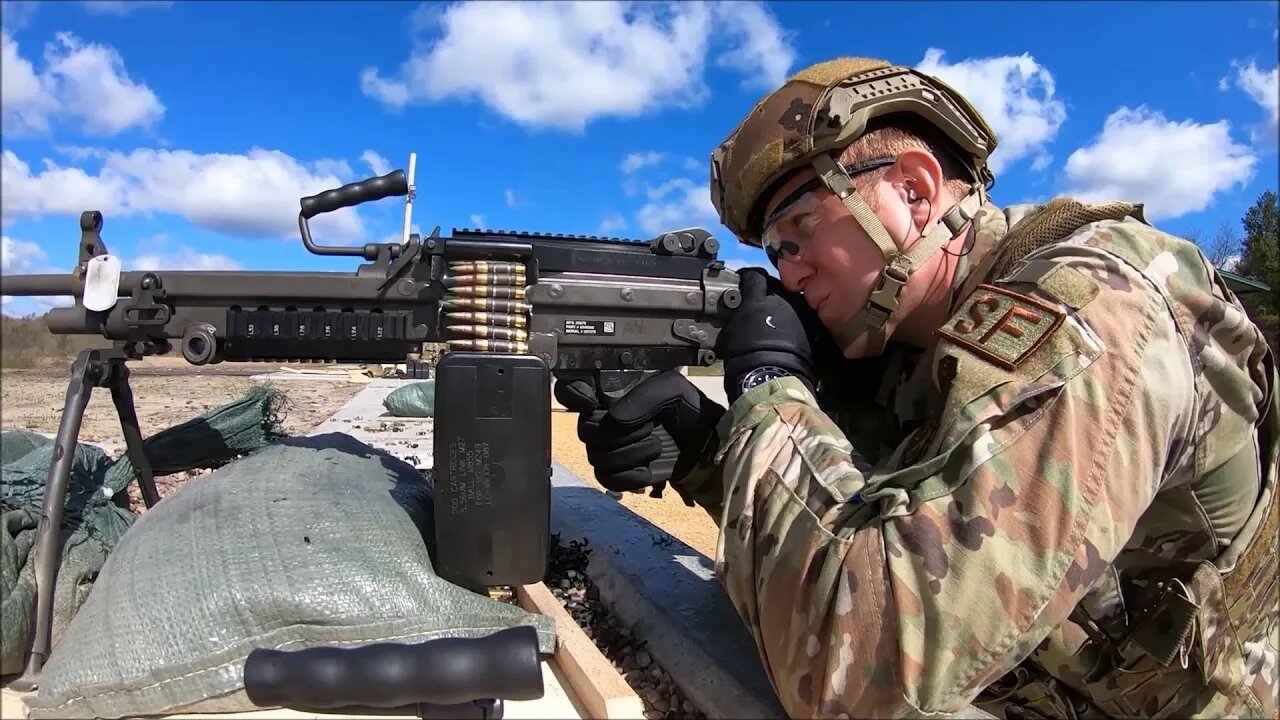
772,328
623,441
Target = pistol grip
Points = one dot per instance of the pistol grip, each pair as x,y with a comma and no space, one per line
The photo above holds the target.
611,386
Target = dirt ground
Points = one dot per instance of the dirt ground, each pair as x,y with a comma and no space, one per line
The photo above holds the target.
167,393
33,399
691,525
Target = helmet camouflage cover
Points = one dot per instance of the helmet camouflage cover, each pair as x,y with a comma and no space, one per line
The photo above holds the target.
824,108
817,112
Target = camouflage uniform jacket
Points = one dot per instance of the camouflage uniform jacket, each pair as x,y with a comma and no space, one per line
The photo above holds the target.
1035,530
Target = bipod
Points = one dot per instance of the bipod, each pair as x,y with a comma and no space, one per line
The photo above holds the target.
94,368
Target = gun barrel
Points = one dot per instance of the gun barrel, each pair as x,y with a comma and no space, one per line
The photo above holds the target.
63,284
70,321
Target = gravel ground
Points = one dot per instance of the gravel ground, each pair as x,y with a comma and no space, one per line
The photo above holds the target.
568,581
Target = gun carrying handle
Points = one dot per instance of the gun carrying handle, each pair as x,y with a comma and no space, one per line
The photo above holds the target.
446,671
375,188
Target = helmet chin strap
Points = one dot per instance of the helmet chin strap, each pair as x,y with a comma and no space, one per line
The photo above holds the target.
899,266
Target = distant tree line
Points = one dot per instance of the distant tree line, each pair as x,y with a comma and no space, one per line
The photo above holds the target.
26,342
1255,255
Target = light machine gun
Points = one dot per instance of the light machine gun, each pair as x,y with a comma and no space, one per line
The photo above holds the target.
512,307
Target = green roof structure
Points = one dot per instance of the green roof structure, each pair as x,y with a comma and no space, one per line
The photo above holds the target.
1242,285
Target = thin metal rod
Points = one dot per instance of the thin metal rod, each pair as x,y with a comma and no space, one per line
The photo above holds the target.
86,373
122,397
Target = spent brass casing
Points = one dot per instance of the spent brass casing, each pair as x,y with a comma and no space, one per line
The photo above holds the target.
482,267
487,304
502,593
500,279
482,345
490,291
489,332
488,318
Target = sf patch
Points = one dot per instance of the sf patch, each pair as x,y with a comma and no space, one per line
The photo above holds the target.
1001,326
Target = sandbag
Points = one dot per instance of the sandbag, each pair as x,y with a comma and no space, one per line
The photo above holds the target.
91,522
15,444
413,400
84,544
317,540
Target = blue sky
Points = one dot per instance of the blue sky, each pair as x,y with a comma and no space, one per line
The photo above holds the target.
196,126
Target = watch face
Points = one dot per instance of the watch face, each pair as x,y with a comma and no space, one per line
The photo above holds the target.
760,376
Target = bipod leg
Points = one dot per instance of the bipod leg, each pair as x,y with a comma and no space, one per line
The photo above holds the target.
88,371
122,397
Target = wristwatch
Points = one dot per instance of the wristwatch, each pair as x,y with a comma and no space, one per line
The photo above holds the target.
759,376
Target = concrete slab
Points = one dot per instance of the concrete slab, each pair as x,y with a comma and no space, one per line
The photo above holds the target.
281,375
364,418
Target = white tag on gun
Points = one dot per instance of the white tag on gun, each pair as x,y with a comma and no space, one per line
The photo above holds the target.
101,282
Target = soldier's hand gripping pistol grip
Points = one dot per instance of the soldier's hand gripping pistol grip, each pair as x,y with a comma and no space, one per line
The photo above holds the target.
645,435
447,671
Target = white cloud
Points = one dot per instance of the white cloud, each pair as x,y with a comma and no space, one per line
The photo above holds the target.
56,190
184,258
35,304
562,65
397,236
477,220
28,101
333,168
254,194
123,7
17,14
635,161
612,223
510,197
162,255
82,82
377,163
762,49
19,256
1263,87
1173,167
1015,95
675,204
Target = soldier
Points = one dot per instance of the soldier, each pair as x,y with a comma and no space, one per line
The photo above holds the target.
1021,458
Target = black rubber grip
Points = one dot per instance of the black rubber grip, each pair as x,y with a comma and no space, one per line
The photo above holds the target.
448,671
375,188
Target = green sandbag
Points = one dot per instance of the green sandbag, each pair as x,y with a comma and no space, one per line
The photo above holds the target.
92,524
15,444
320,540
413,400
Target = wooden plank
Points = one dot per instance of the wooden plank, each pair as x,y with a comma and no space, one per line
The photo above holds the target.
558,701
603,692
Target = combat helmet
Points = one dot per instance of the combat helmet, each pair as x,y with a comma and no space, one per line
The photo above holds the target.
808,121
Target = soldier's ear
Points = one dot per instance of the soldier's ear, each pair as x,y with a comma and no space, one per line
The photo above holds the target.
918,177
